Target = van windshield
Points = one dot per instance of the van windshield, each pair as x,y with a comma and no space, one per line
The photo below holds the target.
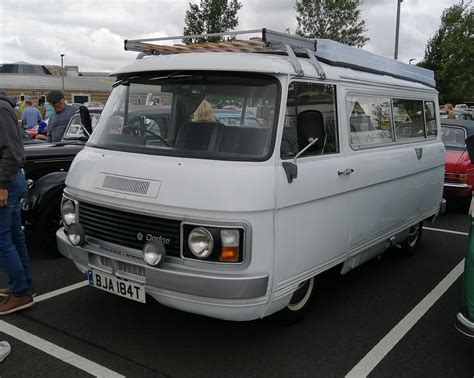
191,114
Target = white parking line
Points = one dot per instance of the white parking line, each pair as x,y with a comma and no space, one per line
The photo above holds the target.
56,351
63,290
52,349
384,346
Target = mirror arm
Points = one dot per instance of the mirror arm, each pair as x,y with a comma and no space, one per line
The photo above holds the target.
85,131
311,142
291,169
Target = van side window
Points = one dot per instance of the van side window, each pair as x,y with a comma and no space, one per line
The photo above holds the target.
430,118
310,96
369,120
409,119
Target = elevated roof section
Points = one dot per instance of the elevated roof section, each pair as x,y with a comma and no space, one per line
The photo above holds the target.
337,54
330,52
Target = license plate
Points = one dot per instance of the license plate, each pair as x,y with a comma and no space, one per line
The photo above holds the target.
111,284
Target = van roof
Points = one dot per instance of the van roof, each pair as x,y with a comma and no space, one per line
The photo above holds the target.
277,53
255,63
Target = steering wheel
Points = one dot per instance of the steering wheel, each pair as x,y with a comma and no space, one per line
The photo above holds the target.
138,128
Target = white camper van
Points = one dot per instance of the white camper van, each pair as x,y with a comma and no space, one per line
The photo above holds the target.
336,157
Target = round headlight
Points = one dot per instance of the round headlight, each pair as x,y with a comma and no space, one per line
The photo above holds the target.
200,242
75,233
154,253
68,212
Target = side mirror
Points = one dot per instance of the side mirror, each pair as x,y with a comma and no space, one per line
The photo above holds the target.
311,137
86,119
470,147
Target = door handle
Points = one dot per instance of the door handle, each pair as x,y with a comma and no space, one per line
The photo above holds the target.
345,172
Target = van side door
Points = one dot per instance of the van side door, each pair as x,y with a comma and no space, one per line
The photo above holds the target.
311,222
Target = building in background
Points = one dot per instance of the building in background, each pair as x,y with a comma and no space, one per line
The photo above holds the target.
21,80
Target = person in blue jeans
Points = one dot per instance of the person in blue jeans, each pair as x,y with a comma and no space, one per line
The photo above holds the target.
14,258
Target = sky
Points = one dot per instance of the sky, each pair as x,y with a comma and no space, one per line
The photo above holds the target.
90,33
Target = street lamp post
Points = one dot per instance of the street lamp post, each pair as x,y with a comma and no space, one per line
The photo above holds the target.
62,73
397,29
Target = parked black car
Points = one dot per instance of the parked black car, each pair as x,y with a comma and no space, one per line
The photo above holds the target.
46,169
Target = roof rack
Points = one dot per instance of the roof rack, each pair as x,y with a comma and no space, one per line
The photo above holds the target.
270,41
327,51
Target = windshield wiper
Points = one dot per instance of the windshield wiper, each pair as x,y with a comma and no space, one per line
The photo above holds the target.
174,75
125,81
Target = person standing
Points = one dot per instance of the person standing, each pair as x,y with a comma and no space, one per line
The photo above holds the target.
448,108
59,120
41,107
49,111
13,253
30,116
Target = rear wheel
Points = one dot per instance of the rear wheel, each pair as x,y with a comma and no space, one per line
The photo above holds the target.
299,305
412,241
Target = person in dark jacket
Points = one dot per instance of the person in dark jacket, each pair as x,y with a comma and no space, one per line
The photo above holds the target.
14,258
59,120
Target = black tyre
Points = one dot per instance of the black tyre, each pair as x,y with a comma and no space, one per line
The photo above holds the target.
46,224
299,305
412,241
465,204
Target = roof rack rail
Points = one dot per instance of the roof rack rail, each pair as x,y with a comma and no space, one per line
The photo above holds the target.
327,51
269,41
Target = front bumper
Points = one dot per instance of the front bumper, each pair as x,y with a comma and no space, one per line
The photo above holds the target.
464,325
219,295
457,190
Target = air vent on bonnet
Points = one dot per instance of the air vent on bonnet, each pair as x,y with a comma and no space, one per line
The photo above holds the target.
128,185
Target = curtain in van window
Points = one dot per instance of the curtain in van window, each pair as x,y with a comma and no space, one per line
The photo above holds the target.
369,120
430,118
409,119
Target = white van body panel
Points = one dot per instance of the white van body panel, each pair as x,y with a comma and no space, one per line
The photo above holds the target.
183,183
293,231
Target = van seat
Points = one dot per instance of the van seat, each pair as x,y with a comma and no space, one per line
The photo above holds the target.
198,135
244,140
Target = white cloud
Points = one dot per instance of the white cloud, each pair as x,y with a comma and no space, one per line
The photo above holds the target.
90,33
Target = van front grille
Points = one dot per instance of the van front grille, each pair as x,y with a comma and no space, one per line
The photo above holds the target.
129,229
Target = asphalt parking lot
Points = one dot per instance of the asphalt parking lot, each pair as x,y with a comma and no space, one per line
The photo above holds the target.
392,317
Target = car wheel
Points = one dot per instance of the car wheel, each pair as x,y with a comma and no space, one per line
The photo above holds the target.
300,304
412,241
465,204
46,225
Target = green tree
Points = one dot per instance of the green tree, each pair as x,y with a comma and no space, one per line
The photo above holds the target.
338,20
211,16
450,54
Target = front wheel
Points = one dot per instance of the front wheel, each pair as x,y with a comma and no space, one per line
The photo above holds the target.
412,241
300,303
